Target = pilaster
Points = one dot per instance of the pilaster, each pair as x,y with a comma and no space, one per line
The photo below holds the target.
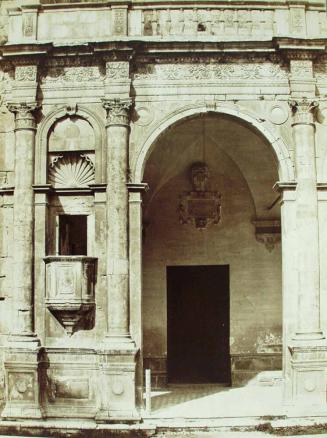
135,277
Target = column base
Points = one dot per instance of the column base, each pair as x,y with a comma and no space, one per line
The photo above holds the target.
116,385
23,378
308,377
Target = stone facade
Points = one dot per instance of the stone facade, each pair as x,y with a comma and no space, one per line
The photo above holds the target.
98,103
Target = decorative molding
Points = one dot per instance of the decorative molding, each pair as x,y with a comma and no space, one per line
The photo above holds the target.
303,110
118,111
200,206
71,170
211,71
24,118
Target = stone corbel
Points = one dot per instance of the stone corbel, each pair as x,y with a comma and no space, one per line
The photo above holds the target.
268,232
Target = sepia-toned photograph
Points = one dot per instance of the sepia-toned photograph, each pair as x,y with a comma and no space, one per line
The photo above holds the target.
163,218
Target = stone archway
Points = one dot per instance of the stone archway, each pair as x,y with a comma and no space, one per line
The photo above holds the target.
279,147
278,150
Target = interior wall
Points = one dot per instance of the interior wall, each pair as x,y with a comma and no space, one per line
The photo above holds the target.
255,272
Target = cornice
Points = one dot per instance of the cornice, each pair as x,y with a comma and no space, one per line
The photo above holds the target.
125,48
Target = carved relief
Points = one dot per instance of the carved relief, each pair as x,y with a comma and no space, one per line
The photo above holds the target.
117,70
28,25
210,71
21,386
71,170
302,68
200,206
61,75
26,73
119,21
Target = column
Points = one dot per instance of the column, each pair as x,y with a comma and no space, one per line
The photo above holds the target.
118,112
23,357
308,314
23,319
289,277
308,350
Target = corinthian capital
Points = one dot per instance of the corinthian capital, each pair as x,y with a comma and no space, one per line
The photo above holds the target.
303,110
24,117
118,111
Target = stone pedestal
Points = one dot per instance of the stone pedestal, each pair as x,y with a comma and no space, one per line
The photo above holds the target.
308,346
116,386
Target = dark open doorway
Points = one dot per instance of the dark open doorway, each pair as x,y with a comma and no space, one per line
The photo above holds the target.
198,324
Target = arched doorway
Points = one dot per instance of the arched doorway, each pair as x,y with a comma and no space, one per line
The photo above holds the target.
242,248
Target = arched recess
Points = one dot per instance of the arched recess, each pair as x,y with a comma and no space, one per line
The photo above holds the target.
42,140
280,150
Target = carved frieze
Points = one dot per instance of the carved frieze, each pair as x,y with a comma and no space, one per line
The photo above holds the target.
200,206
71,74
211,71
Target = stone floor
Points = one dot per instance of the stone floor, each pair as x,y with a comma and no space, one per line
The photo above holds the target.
260,397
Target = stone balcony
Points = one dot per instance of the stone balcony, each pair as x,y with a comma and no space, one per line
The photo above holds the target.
63,23
70,283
